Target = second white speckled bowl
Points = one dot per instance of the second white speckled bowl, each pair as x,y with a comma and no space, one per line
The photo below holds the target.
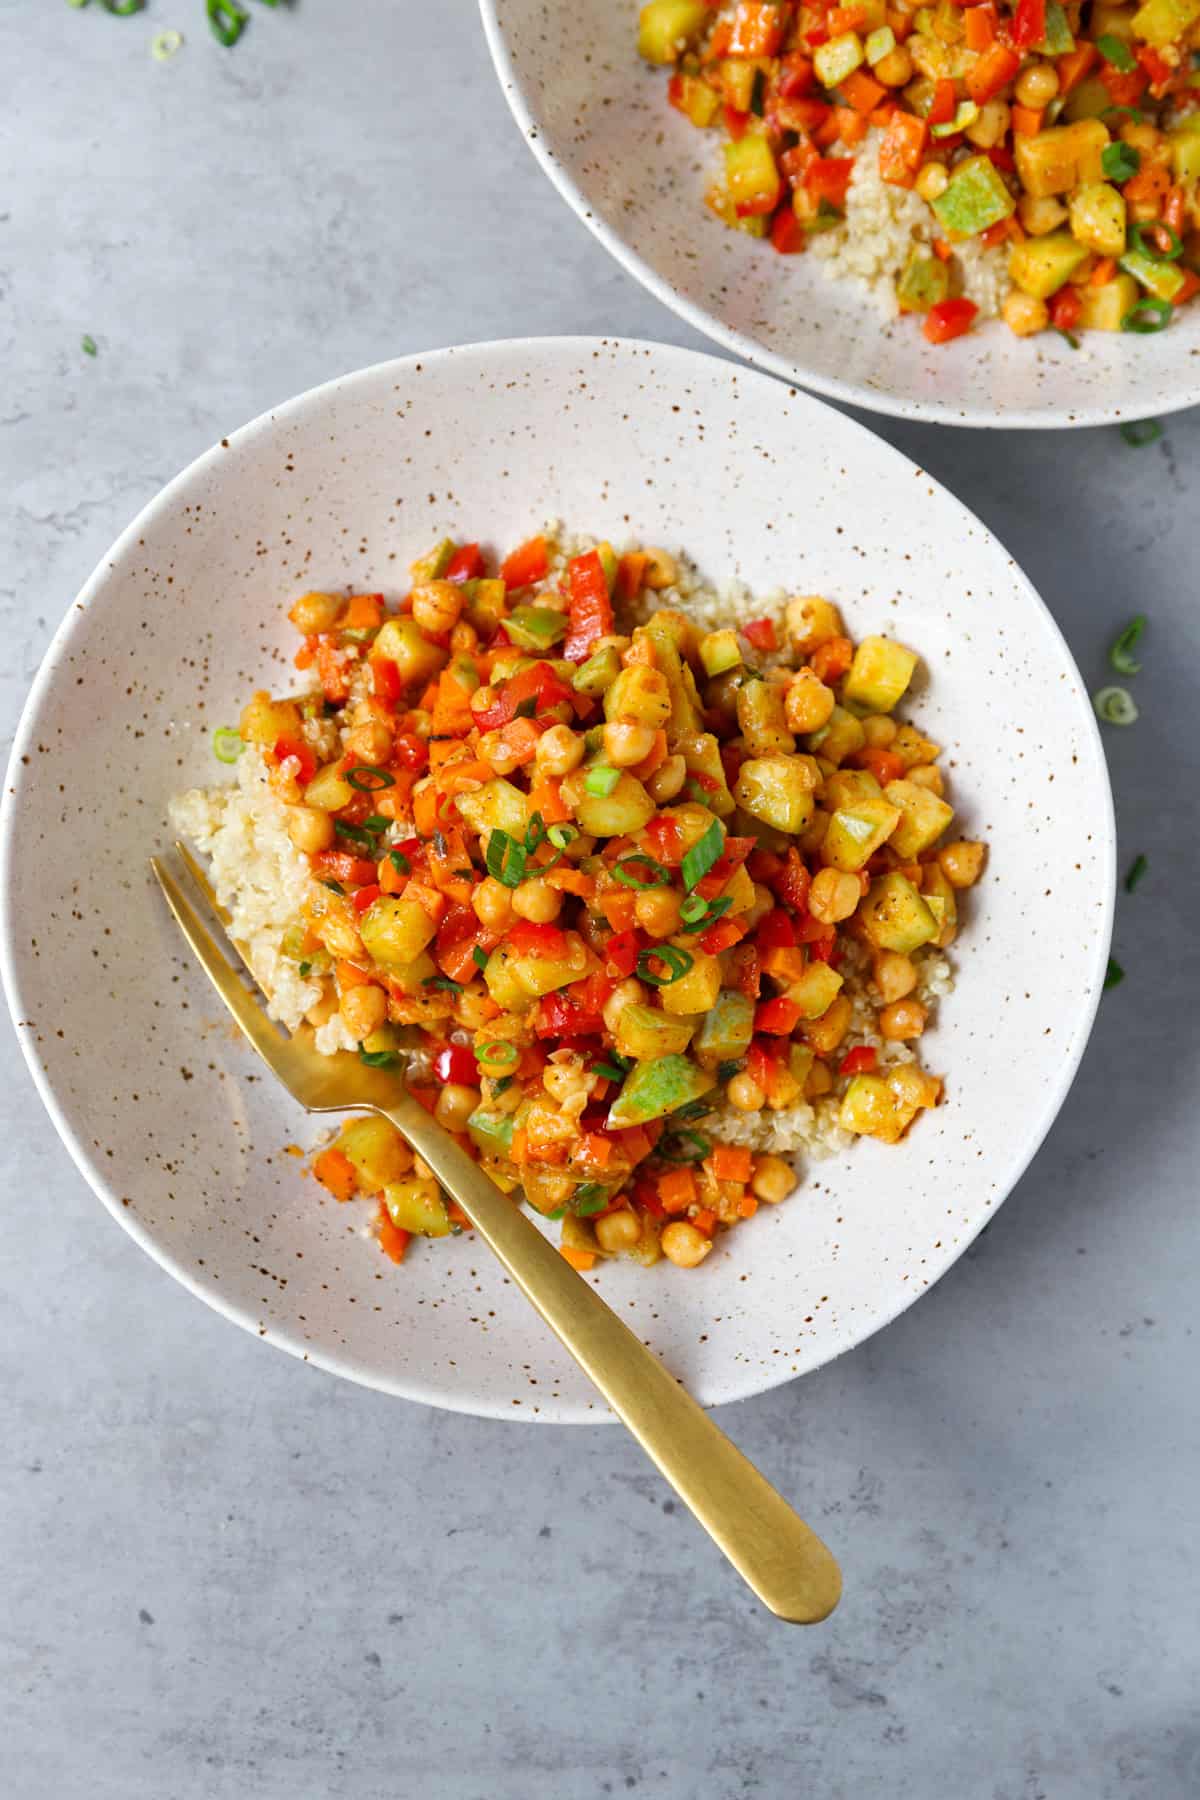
170,1118
635,170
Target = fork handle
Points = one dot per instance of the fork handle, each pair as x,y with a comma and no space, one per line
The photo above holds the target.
773,1550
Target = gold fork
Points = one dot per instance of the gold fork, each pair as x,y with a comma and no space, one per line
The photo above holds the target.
770,1546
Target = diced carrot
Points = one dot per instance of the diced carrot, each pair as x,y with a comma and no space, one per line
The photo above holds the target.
518,1150
594,1150
832,659
732,1162
841,19
942,250
705,1221
391,880
393,1239
785,962
852,127
334,1170
1027,120
364,612
631,570
1190,288
349,975
428,897
1072,67
1149,186
747,1206
618,909
583,1260
461,777
902,149
677,1190
994,70
571,881
979,25
862,92
305,656
1175,209
1103,272
334,684
520,740
656,758
457,1216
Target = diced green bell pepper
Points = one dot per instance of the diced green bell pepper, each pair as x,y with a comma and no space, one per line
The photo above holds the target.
1058,40
433,565
536,627
597,673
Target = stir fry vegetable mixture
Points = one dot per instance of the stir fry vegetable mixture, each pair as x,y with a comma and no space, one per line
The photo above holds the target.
607,878
1065,131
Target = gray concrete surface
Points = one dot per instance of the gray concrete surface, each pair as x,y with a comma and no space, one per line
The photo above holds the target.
228,1577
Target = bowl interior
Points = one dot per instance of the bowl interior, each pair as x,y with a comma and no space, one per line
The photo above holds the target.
635,170
171,1119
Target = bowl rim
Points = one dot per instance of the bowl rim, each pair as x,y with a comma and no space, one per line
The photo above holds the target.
979,418
405,1386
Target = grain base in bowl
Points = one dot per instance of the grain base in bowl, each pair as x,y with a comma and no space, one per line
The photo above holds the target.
645,887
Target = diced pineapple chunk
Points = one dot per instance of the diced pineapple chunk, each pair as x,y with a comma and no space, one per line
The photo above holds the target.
544,974
696,991
667,26
1040,266
879,674
938,895
867,1108
416,1205
895,917
1105,307
840,738
816,990
403,642
377,1150
395,931
639,696
1098,218
617,814
812,621
644,1032
761,718
496,806
777,790
1160,22
856,831
1058,159
265,721
719,652
923,817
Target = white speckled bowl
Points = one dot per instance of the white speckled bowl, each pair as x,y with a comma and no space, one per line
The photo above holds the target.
597,119
169,1118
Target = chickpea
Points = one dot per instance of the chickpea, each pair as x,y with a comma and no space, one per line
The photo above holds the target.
472,1011
1037,85
826,1033
657,911
1024,315
372,741
559,750
928,776
537,901
437,605
902,1020
482,698
962,862
323,1009
894,975
625,745
567,1081
745,1093
364,1010
991,125
422,1170
773,1179
932,181
662,571
310,828
683,1245
618,1231
818,1081
464,637
667,780
879,730
1040,213
626,993
492,904
895,69
808,703
313,613
833,896
455,1104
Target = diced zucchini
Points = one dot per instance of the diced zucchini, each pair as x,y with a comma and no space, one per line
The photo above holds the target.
923,282
856,831
965,113
1160,22
912,748
662,632
644,1032
617,814
879,44
726,1029
1184,140
395,931
1058,40
701,753
1040,266
816,990
500,977
975,198
895,917
696,991
416,1205
867,1109
846,786
840,738
653,1089
1105,307
402,642
1090,100
838,58
1098,218
597,673
433,565
667,27
485,604
938,895
923,818
491,1131
536,627
881,669
377,1150
1162,279
778,790
719,651
540,974
412,976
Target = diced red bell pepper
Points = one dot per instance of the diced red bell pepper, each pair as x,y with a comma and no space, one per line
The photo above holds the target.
796,76
801,114
1124,90
761,633
530,562
288,748
824,949
591,614
948,319
1072,67
1029,24
994,70
763,1066
385,680
538,683
862,1060
558,1015
745,969
456,1063
366,896
1065,308
828,179
340,865
1001,157
1157,68
735,122
941,107
465,565
459,936
884,765
665,839
757,29
776,931
622,951
334,684
778,1017
788,235
409,750
902,148
528,939
792,883
722,936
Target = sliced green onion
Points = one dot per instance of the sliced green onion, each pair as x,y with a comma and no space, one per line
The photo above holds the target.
1119,161
1121,654
685,1146
1160,314
526,709
502,1052
1068,337
1115,51
601,780
1115,705
505,859
87,344
626,872
1137,432
676,961
535,833
376,1059
727,1070
695,1109
355,834
1129,112
1137,869
616,1068
228,21
367,779
444,982
758,92
1114,974
589,1198
479,957
305,970
399,862
698,921
702,855
694,791
166,45
561,836
335,887
227,744
1148,245
376,824
123,8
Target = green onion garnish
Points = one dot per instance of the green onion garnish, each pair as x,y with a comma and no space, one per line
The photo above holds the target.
123,8
227,744
1119,161
1115,705
1114,974
1149,246
676,961
535,834
526,709
305,970
228,21
626,872
727,1070
562,835
1137,432
695,1109
479,957
87,344
399,862
1121,654
684,1146
376,1059
615,1068
702,855
758,92
601,780
505,859
444,982
367,779
1129,112
590,1197
503,1051
166,45
1116,52
1147,315
1137,869
355,834
712,909
1068,337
